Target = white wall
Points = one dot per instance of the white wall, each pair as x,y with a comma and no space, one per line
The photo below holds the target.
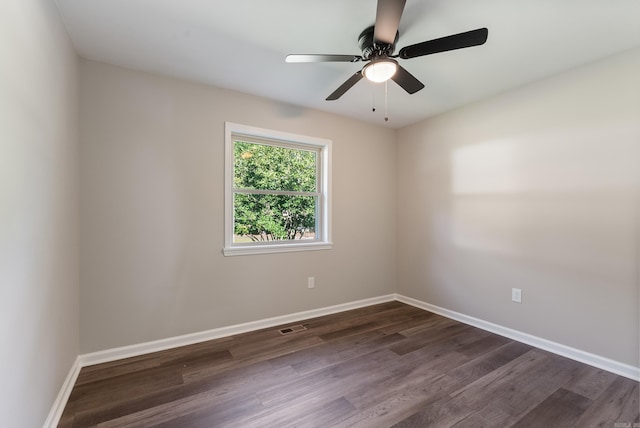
152,211
539,189
38,210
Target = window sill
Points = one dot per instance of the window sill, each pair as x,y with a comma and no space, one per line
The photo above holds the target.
244,250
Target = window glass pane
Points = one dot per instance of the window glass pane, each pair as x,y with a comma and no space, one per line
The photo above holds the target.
264,167
259,218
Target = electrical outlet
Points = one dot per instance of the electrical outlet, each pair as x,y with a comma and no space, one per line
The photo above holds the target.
311,282
516,295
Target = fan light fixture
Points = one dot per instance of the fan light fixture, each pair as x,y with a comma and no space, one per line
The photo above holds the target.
380,70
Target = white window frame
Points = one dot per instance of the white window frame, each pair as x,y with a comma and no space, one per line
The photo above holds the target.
323,215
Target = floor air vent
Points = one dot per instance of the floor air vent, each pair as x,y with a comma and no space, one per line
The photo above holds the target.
292,329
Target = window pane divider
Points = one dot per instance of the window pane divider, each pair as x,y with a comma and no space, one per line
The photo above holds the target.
275,192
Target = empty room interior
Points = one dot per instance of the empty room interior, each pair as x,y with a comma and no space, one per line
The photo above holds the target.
464,249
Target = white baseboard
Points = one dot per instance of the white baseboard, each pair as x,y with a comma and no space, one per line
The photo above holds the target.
63,396
217,333
598,361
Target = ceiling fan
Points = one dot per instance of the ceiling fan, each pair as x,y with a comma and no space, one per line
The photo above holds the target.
378,43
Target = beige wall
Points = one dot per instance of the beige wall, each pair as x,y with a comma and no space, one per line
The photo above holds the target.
536,189
38,210
152,212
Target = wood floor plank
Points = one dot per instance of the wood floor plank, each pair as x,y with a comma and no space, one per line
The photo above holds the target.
618,404
433,322
114,389
182,355
384,365
401,403
196,410
427,338
272,349
520,385
336,378
590,382
442,413
562,408
275,346
323,358
484,344
302,414
486,363
441,349
404,327
319,389
488,417
228,384
405,377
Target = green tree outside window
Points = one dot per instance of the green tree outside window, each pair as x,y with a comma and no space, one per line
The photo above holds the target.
275,192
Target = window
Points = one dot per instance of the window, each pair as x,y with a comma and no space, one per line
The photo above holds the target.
276,191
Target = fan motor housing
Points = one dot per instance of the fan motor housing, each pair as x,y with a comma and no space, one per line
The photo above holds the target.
370,49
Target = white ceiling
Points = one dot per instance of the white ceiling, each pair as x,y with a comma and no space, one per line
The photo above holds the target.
241,45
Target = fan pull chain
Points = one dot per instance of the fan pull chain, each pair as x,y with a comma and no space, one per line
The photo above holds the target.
386,115
373,100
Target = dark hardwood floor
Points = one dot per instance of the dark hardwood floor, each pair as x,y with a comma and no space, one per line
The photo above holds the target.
380,366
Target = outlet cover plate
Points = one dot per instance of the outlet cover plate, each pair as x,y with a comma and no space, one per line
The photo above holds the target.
516,295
